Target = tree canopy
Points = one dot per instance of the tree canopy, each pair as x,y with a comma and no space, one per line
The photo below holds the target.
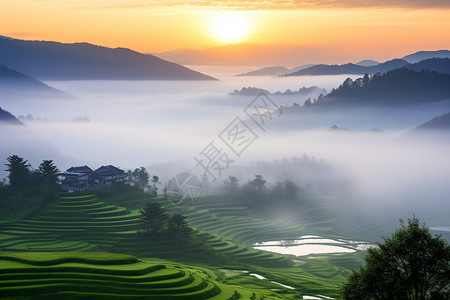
154,218
19,171
48,172
156,221
412,264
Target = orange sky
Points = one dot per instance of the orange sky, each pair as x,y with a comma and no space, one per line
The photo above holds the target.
373,29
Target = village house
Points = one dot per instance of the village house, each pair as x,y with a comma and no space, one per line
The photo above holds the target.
81,178
107,176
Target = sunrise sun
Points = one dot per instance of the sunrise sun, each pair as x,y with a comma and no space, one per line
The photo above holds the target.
229,27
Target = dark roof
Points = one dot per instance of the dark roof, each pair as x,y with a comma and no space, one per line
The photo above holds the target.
72,174
108,170
81,169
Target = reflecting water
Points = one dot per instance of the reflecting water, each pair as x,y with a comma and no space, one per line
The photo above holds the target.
307,244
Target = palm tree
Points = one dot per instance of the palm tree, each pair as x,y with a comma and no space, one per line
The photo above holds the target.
178,225
19,171
154,218
142,177
155,181
47,172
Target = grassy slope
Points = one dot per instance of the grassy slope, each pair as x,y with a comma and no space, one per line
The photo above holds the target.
84,223
108,276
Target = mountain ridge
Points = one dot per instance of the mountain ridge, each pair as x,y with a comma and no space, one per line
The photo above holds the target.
50,60
16,85
9,118
350,68
422,55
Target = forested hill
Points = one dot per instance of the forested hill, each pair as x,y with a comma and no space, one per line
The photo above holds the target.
396,87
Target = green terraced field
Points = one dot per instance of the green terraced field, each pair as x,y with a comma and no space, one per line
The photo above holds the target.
108,276
84,223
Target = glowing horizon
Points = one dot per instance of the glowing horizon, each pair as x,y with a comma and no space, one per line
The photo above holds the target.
372,29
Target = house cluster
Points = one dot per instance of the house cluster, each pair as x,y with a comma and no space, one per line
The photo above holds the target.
82,178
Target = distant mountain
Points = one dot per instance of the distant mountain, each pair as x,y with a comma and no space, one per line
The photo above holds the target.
15,85
336,128
268,71
422,55
5,37
274,71
6,117
82,61
248,54
234,54
252,91
436,130
18,139
441,65
367,63
350,68
441,122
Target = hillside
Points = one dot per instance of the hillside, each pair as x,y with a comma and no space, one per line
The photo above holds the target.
89,275
396,87
350,68
435,132
19,139
16,85
441,65
253,91
274,71
224,228
8,118
82,61
438,123
422,55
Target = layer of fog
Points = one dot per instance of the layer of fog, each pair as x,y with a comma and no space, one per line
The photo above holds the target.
163,125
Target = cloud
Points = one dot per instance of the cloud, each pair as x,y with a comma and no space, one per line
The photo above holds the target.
268,5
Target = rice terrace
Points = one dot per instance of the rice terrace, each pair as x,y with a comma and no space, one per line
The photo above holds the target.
224,150
70,248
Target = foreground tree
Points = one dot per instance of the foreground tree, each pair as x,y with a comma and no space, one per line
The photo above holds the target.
47,172
154,218
412,264
178,225
19,171
143,177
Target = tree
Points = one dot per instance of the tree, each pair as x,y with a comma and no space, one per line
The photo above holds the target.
366,79
155,181
291,191
308,102
231,185
141,177
178,225
258,184
19,171
412,264
47,172
154,218
130,178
